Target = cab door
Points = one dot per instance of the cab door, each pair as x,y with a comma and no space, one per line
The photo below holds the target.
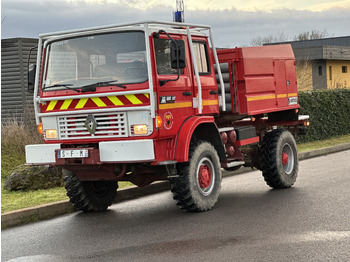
175,97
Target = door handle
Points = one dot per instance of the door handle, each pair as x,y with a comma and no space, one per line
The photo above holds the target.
214,92
187,93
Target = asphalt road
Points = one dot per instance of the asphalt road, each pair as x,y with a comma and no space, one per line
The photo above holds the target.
308,222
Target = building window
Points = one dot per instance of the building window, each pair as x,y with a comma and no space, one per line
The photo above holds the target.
344,69
320,70
330,72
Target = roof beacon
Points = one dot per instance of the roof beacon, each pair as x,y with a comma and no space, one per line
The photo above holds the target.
179,14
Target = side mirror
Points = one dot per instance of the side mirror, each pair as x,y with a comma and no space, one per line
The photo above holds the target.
31,77
178,54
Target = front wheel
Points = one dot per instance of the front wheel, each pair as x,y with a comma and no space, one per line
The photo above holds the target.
198,185
89,195
279,159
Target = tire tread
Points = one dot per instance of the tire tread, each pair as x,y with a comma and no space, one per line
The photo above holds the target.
268,153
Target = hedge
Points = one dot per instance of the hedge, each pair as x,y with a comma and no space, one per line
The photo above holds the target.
329,112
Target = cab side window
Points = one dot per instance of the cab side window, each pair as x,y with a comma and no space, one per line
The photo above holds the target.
202,58
163,59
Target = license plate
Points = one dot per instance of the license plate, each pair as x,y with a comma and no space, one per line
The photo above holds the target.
73,153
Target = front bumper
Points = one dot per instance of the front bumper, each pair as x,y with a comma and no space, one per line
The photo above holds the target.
109,152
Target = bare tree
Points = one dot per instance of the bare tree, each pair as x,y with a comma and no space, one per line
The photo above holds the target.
309,35
259,40
281,37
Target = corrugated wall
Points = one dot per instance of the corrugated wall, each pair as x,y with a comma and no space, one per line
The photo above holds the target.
16,102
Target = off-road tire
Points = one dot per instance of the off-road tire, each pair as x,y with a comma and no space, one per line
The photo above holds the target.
89,195
193,190
279,172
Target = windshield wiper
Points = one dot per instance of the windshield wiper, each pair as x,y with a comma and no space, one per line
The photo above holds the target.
67,86
92,87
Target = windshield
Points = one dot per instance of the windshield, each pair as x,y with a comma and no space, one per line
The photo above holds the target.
84,61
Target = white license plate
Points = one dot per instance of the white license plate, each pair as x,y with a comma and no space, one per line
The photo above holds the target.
74,153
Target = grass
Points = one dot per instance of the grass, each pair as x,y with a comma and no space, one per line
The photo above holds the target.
324,143
14,200
13,139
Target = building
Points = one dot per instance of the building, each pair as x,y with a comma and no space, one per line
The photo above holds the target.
322,63
16,101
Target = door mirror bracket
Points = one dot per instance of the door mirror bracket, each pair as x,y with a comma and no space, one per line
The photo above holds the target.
177,56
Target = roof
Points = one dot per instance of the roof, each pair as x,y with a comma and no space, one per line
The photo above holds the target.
322,52
332,41
334,48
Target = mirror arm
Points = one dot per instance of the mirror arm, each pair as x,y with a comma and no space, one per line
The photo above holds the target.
28,61
29,54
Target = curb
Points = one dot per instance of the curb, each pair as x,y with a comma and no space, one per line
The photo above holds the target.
47,211
323,151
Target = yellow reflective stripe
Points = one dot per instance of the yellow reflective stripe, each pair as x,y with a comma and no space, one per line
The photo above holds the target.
115,100
146,95
66,104
81,103
281,95
52,105
98,101
133,99
210,102
255,98
175,105
292,94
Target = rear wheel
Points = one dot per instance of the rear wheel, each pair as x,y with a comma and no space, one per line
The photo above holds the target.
198,185
89,195
279,159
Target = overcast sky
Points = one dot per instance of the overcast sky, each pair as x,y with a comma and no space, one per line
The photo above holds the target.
234,22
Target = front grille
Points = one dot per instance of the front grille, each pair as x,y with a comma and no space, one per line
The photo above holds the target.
108,125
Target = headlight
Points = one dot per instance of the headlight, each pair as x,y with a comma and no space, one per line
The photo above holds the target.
50,133
139,130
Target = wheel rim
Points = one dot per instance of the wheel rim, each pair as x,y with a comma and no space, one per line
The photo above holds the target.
287,159
100,188
205,176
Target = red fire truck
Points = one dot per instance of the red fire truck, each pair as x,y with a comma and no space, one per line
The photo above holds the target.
151,101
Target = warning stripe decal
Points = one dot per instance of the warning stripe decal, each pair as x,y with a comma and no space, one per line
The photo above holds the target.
175,105
255,98
96,102
66,104
81,103
52,105
186,104
133,99
265,97
282,96
210,102
115,101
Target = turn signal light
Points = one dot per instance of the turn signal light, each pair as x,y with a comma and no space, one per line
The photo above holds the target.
40,128
159,122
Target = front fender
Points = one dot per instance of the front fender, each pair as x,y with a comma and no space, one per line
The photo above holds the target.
185,134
